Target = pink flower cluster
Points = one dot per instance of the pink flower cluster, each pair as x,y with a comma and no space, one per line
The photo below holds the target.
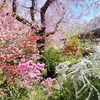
30,71
48,81
49,84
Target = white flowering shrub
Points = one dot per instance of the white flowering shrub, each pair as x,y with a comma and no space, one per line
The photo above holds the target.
81,78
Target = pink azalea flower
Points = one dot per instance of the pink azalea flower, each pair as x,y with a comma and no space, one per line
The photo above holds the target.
22,68
23,60
30,66
41,69
49,92
35,65
30,62
41,65
32,74
35,38
37,72
48,81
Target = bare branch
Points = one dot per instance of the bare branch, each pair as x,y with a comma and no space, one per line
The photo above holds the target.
32,10
22,20
14,8
60,20
43,10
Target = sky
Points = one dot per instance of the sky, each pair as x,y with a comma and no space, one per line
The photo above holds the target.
88,8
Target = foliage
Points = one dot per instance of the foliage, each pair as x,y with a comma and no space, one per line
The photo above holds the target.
53,58
31,73
16,40
66,92
18,77
75,48
80,79
9,87
25,79
49,85
18,47
36,93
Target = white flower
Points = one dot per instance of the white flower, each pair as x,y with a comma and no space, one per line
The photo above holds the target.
80,72
62,67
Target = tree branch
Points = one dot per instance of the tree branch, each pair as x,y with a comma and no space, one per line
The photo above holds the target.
14,8
60,20
22,20
43,10
32,10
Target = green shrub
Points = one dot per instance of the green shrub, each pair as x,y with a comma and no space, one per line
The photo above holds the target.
53,58
80,80
73,51
12,92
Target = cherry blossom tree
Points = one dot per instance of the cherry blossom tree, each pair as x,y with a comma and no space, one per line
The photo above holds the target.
42,17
